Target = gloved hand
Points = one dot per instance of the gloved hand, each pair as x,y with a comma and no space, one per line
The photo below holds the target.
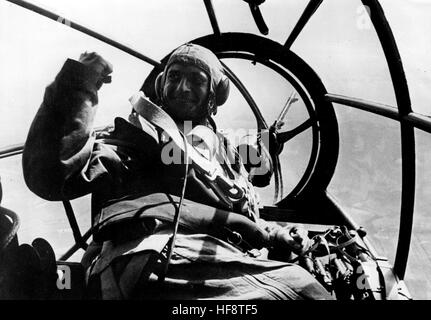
293,239
98,64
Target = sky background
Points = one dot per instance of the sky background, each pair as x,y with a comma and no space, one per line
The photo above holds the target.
339,43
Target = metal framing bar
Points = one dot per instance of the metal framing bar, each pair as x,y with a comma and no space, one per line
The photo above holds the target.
85,30
399,81
15,149
407,198
377,108
261,123
309,10
258,18
290,134
76,246
417,120
74,225
11,150
212,16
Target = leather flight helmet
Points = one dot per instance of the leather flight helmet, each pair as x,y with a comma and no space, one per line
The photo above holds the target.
207,61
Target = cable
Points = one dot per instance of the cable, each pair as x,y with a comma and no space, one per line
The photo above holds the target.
177,213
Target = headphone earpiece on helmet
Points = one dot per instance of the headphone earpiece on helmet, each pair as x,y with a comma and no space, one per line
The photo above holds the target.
158,86
221,91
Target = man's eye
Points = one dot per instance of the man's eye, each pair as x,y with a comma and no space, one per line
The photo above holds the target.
198,80
173,76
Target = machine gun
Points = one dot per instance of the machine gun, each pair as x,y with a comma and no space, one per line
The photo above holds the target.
347,269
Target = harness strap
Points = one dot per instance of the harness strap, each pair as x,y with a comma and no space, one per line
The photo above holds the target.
228,192
219,223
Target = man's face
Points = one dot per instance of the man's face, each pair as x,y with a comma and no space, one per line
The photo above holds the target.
186,92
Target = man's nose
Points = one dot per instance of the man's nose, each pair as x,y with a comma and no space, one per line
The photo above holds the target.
184,85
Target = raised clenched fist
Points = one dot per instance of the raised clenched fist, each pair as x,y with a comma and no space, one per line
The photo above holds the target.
97,63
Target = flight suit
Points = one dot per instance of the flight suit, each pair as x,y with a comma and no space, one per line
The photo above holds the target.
134,198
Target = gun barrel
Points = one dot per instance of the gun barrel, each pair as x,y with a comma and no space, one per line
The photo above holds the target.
286,107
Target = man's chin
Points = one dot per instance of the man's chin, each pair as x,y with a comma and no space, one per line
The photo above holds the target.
185,105
186,117
185,112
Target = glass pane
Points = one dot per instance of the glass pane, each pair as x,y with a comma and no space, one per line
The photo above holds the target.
40,218
410,23
418,274
367,180
341,45
154,27
280,17
32,53
270,92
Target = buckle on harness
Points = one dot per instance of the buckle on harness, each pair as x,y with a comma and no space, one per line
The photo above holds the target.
234,192
227,191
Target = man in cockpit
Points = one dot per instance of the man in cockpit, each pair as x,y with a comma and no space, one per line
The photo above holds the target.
136,195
